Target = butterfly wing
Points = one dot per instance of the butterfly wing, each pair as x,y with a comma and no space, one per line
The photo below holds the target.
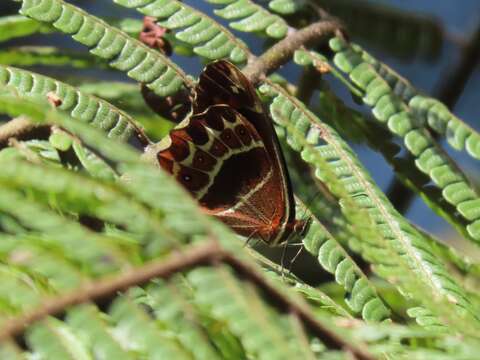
227,155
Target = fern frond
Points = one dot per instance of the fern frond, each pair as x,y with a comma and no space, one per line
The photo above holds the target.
286,7
80,106
48,56
251,17
348,121
389,109
16,26
208,38
124,53
431,111
394,241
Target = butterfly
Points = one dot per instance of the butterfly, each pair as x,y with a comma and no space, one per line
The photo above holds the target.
227,155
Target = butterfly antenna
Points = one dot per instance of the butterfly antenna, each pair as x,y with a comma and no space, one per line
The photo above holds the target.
295,258
282,261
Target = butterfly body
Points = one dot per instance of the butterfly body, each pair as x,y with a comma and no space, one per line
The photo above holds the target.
227,155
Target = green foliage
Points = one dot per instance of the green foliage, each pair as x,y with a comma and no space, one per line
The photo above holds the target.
124,53
208,38
82,107
251,17
81,208
389,109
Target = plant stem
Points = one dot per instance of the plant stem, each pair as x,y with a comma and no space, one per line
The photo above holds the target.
258,68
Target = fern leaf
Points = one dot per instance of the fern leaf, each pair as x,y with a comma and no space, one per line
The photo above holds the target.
285,7
341,116
80,106
389,109
208,38
337,165
124,53
15,26
251,17
46,55
92,163
431,111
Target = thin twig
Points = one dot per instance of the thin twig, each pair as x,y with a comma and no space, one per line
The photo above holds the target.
283,51
109,287
20,128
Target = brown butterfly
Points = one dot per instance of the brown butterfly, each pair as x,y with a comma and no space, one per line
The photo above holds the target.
228,156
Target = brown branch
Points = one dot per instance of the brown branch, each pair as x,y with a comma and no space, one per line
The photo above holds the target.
109,287
22,129
283,51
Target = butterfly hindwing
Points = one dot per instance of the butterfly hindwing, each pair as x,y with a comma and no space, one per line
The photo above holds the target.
227,155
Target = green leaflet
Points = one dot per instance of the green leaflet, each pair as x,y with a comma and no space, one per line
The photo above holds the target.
20,291
285,7
80,106
48,56
251,17
389,109
429,110
95,333
92,163
16,26
141,334
394,246
124,53
208,38
52,339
